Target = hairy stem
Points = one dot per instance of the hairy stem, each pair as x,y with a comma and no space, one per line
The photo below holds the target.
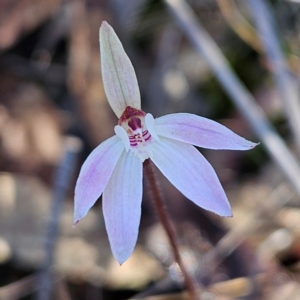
155,193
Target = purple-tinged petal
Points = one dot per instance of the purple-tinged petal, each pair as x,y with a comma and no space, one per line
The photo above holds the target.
119,79
201,132
191,174
94,175
121,200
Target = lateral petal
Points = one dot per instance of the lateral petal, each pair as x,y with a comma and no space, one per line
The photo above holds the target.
201,132
122,199
94,175
119,79
191,174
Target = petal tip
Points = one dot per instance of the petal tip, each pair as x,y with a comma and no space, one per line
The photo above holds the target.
121,254
253,145
121,257
79,213
225,213
78,216
222,209
105,25
121,262
76,221
248,145
105,31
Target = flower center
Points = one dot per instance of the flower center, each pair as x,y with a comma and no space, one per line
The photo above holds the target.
136,130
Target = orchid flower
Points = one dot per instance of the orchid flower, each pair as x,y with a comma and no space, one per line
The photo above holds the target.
115,167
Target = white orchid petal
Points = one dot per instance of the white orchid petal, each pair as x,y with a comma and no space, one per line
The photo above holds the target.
121,133
150,124
119,79
191,174
201,132
122,199
94,175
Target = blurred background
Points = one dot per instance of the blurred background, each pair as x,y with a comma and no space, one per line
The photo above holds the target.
53,113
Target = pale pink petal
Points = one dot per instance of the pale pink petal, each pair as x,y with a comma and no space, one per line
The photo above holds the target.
122,199
119,79
191,174
94,175
200,132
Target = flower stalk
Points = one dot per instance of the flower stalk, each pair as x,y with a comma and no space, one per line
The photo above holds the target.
156,195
